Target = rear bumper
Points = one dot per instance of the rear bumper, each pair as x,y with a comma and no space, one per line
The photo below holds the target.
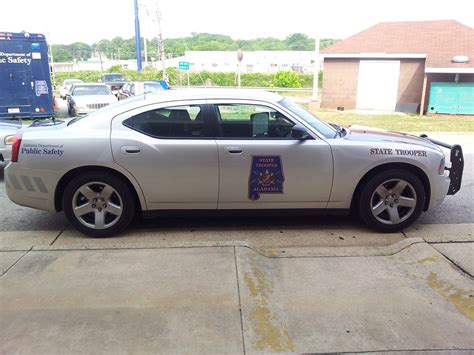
31,187
457,164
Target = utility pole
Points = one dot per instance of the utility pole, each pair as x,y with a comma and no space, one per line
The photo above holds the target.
138,48
146,50
160,43
240,56
316,69
100,58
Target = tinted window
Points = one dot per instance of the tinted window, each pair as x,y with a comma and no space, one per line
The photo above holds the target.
171,122
252,121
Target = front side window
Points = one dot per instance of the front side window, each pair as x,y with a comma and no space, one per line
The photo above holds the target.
171,122
252,121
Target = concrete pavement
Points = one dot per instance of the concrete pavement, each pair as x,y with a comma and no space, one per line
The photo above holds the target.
236,291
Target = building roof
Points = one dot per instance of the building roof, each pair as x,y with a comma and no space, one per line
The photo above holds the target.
439,40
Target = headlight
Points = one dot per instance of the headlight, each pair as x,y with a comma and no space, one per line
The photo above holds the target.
9,139
441,167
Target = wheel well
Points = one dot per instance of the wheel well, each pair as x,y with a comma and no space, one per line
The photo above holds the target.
401,166
58,201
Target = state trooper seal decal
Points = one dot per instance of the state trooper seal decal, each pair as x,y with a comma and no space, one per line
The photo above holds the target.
266,176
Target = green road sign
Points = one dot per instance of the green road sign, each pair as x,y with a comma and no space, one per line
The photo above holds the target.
183,65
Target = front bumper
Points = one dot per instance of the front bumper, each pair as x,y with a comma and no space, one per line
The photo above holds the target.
457,164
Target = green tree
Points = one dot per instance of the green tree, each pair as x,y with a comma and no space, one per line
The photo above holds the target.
61,53
80,51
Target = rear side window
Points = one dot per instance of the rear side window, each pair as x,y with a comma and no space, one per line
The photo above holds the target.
171,122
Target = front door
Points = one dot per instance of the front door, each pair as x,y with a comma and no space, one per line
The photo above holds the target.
171,152
262,166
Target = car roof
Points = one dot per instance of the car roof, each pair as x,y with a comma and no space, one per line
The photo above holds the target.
166,96
209,94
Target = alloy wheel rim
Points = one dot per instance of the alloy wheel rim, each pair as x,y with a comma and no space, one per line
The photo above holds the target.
393,201
97,205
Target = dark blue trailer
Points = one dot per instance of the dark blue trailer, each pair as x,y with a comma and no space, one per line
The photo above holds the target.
25,79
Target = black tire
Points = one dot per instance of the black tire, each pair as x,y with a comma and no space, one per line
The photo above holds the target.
109,223
381,213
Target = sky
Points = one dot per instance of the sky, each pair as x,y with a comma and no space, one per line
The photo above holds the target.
67,21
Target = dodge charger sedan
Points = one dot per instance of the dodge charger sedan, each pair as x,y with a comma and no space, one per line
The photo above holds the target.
219,151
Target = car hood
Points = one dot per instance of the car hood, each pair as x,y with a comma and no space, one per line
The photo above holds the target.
366,134
94,99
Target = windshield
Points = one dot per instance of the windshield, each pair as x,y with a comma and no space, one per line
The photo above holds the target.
322,127
113,77
90,90
152,87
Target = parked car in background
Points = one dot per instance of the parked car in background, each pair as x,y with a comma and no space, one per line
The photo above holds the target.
135,88
66,86
85,98
114,81
8,129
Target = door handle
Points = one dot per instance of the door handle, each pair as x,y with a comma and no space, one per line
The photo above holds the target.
234,150
130,150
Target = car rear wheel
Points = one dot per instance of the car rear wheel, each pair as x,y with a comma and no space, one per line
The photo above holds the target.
391,200
98,204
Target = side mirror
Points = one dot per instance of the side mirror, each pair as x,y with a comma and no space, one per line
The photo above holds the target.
299,132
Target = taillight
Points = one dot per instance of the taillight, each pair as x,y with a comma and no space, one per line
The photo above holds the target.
16,147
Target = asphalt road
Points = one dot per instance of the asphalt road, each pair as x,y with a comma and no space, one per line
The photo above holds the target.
455,209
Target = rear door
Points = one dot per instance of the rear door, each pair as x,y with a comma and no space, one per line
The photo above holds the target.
171,151
262,166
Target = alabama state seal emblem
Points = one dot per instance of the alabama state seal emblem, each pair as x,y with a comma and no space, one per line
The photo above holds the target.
266,176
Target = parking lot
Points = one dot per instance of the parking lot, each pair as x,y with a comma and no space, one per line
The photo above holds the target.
239,285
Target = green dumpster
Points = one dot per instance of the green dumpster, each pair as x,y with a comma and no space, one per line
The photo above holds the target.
453,98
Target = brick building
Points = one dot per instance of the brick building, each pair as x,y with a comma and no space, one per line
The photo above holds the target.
394,65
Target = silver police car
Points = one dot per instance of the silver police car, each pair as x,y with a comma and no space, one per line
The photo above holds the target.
223,150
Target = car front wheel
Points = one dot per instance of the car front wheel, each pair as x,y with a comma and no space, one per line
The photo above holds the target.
98,204
391,200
